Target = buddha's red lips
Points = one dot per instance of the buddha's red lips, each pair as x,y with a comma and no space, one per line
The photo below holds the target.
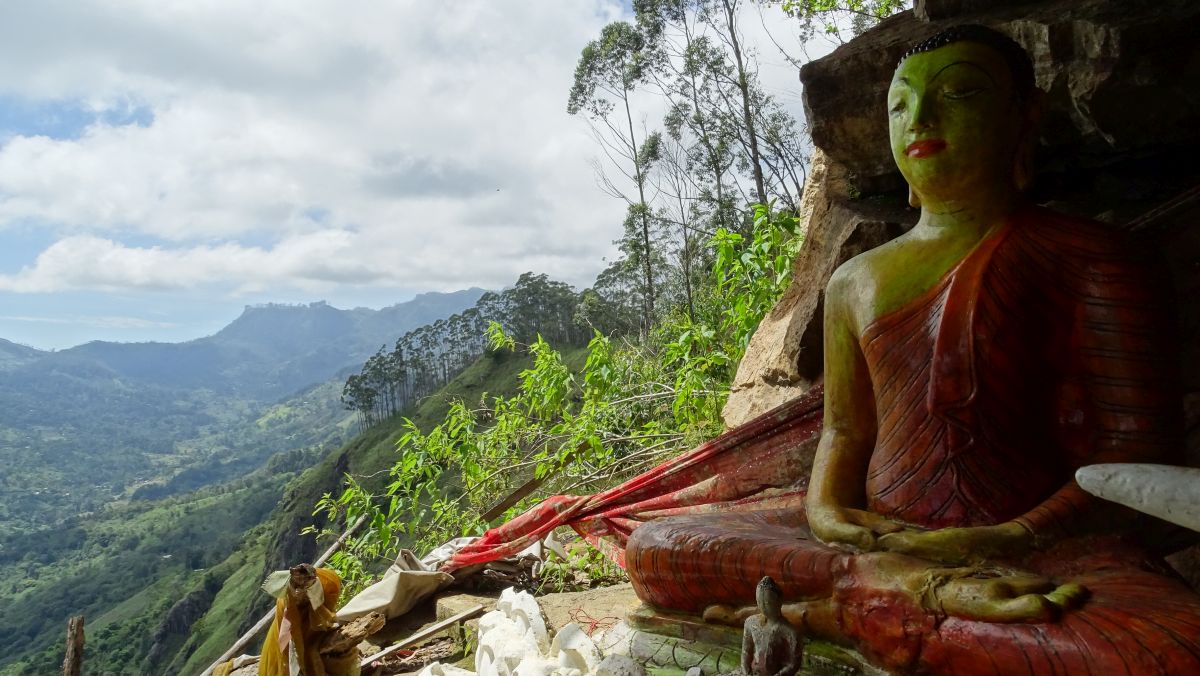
925,148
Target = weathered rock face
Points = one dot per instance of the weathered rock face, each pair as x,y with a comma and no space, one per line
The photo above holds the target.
936,10
1120,136
1121,80
178,621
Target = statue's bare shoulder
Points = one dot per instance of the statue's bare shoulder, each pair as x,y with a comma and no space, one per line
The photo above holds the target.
855,289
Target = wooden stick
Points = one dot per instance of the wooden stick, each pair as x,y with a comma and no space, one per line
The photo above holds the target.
266,619
337,544
513,498
73,662
525,489
1165,211
423,634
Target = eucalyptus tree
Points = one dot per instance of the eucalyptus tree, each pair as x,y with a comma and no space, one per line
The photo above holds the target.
719,110
678,215
610,69
688,77
609,306
835,17
731,35
787,152
359,396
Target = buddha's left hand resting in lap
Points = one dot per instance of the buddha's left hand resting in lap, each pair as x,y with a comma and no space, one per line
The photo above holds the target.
971,366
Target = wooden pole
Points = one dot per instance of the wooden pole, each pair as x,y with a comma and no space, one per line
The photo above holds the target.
423,634
1164,212
73,662
513,498
528,487
266,619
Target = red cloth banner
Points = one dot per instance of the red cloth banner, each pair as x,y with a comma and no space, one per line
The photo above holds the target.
754,466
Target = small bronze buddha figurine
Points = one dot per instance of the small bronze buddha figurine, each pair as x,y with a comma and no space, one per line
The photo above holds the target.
770,646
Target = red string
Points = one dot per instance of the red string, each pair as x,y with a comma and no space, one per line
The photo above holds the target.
589,623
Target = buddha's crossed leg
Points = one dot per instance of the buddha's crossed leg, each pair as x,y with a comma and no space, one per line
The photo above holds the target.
710,564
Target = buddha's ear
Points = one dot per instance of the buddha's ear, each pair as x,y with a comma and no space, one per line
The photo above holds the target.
914,200
1023,170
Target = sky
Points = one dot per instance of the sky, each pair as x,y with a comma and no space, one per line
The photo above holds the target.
164,163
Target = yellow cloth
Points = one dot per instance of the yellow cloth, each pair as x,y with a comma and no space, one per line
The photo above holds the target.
303,624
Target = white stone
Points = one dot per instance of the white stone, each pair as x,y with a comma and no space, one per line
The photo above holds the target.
513,641
503,645
1169,492
575,649
439,669
620,665
523,609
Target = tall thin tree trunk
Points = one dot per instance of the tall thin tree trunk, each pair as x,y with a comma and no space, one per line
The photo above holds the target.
705,139
648,300
686,262
744,86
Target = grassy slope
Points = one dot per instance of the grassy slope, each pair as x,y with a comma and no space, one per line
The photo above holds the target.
239,603
133,566
114,559
128,569
218,628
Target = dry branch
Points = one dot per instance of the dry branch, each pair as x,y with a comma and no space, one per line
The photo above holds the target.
73,662
349,635
423,634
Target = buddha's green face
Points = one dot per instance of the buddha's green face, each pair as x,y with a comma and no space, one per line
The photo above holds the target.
955,122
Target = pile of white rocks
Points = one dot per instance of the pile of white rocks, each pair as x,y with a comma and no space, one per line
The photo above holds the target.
514,641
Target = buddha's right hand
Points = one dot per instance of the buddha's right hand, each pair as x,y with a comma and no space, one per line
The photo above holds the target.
848,526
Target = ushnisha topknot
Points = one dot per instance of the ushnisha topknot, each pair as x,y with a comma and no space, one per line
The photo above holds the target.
1015,56
769,584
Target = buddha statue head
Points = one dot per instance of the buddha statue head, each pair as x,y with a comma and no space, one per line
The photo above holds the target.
963,108
769,598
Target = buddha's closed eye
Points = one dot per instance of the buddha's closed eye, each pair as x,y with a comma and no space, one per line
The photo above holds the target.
957,93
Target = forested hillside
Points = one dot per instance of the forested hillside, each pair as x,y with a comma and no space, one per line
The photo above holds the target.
121,543
125,571
424,360
146,420
12,354
150,614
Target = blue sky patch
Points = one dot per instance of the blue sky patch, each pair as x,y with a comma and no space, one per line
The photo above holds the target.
63,119
22,244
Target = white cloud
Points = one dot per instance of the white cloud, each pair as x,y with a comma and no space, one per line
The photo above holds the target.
310,145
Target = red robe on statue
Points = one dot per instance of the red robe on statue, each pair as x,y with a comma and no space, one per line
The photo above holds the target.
1043,350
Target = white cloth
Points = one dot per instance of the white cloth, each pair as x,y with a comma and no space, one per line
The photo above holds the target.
405,584
410,580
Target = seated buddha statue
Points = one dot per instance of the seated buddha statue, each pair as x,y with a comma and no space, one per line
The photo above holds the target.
971,365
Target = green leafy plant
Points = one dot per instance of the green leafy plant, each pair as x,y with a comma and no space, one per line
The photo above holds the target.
831,16
631,406
583,568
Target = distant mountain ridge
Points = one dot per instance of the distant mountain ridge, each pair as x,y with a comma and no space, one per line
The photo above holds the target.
86,426
268,352
13,354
